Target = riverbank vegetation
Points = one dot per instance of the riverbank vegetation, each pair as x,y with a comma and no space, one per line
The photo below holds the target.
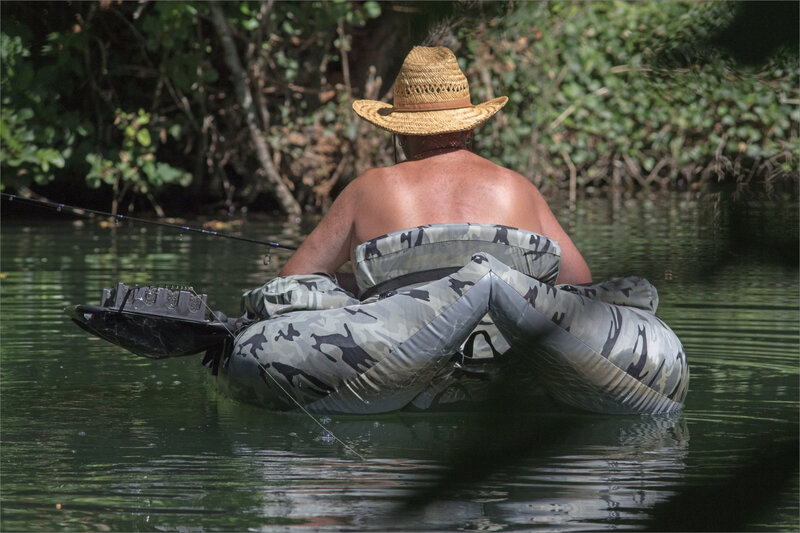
177,106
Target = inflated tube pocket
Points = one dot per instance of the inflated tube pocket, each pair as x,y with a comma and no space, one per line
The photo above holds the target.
300,292
630,291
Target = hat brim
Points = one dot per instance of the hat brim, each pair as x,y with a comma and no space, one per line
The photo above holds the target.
383,115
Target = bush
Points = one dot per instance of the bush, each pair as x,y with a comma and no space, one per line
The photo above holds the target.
632,94
37,135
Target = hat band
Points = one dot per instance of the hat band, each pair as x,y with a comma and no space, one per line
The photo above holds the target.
458,103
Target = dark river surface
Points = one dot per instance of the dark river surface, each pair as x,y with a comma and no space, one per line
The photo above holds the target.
95,438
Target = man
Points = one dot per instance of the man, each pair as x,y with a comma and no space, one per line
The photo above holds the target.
440,181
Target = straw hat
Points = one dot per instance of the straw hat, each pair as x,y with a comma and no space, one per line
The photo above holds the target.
431,96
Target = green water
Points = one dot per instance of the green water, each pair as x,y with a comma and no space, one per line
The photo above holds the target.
97,439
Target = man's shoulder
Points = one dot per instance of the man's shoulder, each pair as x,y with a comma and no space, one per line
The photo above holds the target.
374,174
504,175
379,178
494,168
366,184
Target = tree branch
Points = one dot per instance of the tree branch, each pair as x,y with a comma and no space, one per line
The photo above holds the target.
279,188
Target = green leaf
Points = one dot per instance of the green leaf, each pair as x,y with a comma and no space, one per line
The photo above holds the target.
372,9
250,24
143,136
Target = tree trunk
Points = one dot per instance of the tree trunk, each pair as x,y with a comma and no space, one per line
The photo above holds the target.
279,188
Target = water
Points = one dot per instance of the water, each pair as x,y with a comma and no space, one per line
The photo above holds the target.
94,438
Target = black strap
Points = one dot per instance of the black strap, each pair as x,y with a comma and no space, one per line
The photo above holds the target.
421,276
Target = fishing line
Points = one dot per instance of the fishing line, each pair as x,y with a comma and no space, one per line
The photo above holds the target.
275,381
82,211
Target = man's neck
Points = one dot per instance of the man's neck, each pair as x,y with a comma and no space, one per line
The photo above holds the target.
430,152
424,146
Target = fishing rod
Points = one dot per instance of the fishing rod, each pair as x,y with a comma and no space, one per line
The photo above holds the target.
82,211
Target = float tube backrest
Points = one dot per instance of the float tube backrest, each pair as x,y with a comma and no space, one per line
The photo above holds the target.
438,250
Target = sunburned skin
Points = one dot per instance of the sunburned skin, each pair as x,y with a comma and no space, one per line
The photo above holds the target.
452,185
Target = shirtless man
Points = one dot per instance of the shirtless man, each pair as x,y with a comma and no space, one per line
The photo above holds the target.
440,181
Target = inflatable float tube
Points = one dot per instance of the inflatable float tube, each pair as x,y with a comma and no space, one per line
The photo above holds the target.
437,300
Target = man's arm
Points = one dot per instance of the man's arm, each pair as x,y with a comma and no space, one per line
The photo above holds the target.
328,246
574,269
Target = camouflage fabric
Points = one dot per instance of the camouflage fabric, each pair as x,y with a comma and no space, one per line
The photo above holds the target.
300,292
589,353
631,291
482,354
401,350
363,358
451,245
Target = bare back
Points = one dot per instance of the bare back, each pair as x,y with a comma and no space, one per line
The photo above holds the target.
453,187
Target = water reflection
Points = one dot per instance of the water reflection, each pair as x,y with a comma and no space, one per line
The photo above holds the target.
595,470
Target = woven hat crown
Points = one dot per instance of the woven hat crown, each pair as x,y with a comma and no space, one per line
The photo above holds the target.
430,76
